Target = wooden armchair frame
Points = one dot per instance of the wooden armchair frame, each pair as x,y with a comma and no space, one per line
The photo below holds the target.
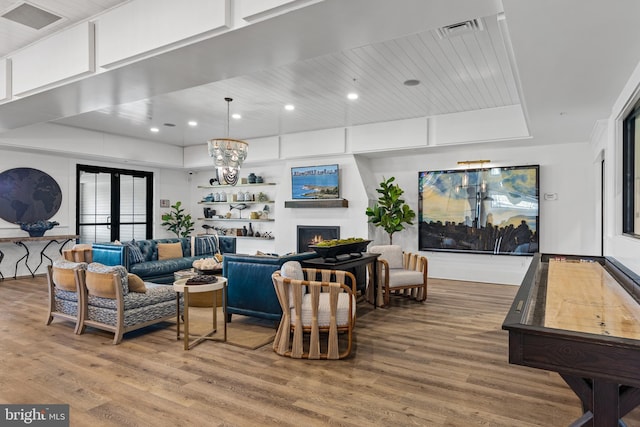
284,344
412,262
53,310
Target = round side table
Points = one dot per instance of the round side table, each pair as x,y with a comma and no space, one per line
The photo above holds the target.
181,286
202,299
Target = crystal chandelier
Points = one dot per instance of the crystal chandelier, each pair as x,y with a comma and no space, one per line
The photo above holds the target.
228,155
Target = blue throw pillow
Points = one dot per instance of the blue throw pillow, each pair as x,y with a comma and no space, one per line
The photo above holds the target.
135,254
206,245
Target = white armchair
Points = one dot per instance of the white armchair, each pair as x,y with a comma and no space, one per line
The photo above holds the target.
401,273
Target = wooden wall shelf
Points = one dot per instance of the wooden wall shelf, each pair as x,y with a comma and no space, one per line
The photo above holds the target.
332,203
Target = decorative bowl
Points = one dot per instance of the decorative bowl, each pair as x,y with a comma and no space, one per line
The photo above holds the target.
37,229
332,252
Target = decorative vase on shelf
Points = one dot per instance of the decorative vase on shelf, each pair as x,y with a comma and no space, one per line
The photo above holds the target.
250,232
244,230
251,179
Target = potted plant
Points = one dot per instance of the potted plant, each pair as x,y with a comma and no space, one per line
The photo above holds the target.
390,212
177,221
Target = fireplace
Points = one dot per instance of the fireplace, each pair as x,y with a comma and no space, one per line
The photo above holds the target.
312,234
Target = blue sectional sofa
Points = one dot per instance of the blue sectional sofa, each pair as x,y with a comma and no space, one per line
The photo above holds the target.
151,269
250,291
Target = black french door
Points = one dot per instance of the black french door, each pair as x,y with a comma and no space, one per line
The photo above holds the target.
113,204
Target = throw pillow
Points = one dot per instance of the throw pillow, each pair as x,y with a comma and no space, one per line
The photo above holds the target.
136,284
204,245
101,282
390,253
293,270
135,254
63,274
169,250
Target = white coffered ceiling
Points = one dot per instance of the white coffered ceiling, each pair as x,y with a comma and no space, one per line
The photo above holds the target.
570,60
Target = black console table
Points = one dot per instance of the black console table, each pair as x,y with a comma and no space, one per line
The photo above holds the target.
351,263
20,241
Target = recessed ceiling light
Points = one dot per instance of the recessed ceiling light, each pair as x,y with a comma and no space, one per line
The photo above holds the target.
289,107
154,129
352,96
411,82
192,123
236,116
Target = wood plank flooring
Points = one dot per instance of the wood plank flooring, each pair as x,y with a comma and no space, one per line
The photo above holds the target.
441,363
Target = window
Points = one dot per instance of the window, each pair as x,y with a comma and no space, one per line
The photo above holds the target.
631,173
113,204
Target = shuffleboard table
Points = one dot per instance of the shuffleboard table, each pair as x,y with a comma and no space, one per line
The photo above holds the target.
580,317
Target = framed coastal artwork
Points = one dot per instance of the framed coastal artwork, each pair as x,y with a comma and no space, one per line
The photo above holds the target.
487,210
315,182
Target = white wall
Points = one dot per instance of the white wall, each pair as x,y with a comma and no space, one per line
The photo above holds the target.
566,224
623,248
169,184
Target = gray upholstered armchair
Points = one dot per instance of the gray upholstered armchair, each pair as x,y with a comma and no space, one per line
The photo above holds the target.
115,301
401,273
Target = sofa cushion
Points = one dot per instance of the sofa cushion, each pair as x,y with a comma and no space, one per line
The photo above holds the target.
402,277
159,302
102,285
324,310
155,294
136,284
151,269
169,250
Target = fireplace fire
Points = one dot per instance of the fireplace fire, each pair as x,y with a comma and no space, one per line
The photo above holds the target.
314,234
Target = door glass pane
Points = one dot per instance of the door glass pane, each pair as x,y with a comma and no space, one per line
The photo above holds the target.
94,233
133,231
133,207
95,207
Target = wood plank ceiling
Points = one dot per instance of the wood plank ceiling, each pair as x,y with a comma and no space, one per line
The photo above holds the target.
465,72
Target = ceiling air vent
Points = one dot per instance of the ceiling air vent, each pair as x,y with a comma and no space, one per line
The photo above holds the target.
31,16
461,28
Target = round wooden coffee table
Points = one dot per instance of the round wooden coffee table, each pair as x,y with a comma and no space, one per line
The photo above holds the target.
181,286
202,299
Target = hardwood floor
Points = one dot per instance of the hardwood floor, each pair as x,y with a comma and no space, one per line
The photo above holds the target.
442,363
